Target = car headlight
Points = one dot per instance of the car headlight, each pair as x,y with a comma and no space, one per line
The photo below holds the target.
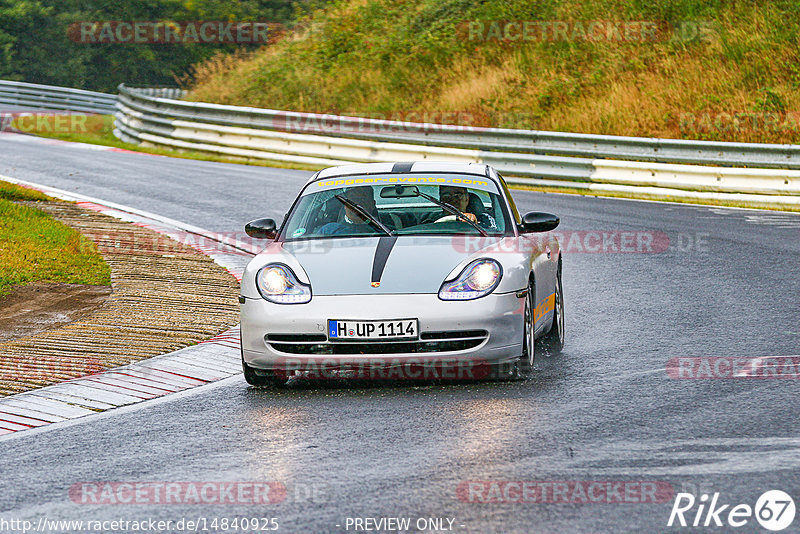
477,280
277,283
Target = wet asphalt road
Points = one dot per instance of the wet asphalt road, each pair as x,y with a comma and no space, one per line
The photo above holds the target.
604,409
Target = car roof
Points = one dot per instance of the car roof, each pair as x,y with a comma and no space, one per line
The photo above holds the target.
478,169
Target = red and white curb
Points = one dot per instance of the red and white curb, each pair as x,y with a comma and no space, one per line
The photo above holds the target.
149,379
212,360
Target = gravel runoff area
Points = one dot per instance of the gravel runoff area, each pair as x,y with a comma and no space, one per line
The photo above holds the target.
165,296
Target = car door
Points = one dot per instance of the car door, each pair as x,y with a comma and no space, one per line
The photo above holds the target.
544,255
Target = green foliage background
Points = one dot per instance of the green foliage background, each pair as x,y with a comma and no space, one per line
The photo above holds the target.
394,57
34,46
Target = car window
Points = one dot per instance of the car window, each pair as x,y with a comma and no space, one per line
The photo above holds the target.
514,211
400,206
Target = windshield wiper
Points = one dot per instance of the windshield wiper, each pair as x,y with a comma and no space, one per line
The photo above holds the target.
364,214
453,211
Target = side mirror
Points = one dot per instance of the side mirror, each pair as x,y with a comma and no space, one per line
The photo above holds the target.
262,229
538,222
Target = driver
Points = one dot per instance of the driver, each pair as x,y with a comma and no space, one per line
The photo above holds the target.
352,222
459,198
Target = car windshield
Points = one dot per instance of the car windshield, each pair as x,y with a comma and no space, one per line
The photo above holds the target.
397,206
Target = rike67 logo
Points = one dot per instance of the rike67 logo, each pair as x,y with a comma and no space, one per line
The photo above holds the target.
774,510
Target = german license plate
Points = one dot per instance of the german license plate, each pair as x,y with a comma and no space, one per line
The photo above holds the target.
357,330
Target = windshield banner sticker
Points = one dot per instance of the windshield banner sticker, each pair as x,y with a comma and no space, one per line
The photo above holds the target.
475,182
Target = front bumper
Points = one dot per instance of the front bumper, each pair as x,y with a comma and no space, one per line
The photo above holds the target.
277,337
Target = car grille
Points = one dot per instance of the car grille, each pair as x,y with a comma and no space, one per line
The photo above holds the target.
296,338
429,342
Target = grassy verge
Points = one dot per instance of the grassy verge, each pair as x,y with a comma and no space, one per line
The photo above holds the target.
686,69
35,247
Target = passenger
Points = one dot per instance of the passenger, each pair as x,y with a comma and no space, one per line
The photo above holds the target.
352,222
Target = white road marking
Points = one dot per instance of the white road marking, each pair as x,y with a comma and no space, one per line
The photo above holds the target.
765,218
695,457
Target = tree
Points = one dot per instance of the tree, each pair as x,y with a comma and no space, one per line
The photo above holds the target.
36,44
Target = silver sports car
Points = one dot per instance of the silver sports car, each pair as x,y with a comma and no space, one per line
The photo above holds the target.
407,270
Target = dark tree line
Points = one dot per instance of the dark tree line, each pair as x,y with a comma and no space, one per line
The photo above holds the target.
35,43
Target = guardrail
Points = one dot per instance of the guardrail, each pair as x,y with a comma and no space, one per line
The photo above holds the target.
29,97
599,163
484,139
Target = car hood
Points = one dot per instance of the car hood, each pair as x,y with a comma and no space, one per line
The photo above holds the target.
344,266
413,265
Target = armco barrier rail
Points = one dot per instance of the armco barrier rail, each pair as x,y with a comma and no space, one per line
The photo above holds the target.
599,163
768,174
19,96
266,134
483,139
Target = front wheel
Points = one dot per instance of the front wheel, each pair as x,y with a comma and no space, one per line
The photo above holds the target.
555,337
528,332
261,377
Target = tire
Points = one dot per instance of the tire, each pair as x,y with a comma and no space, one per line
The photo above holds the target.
528,357
261,377
505,372
554,339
